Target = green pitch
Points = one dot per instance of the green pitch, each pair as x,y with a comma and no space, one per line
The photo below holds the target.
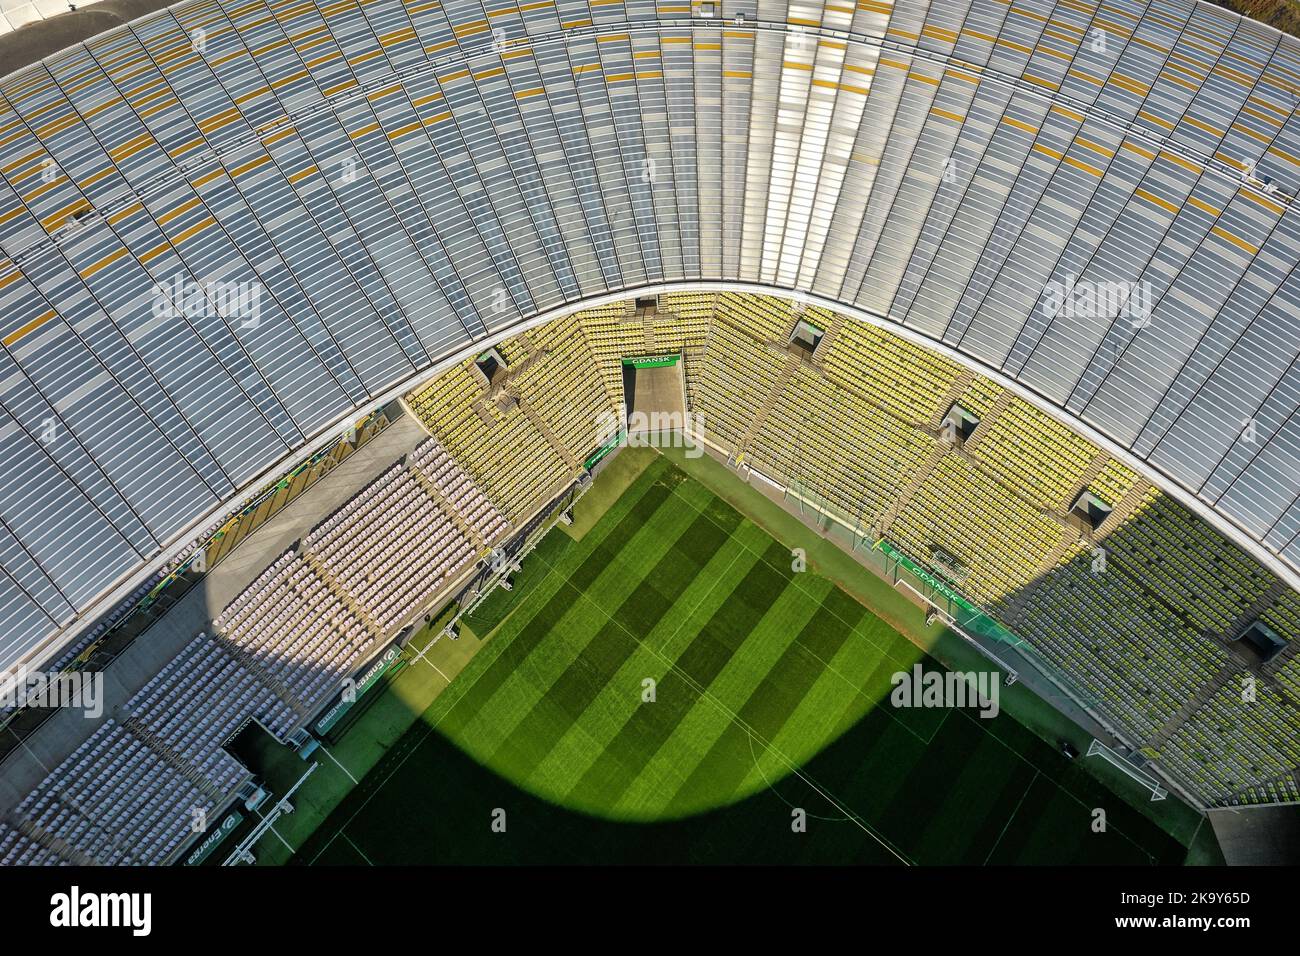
668,688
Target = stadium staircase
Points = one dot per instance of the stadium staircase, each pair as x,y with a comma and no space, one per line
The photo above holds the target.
1122,510
170,757
1203,696
1262,603
449,511
254,667
1289,781
552,439
1000,404
959,387
1072,535
485,415
55,844
1090,475
828,337
343,594
770,401
905,495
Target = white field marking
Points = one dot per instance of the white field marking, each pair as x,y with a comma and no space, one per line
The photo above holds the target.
703,597
1006,826
325,750
397,766
851,628
420,657
703,694
780,796
793,767
357,848
272,829
1110,827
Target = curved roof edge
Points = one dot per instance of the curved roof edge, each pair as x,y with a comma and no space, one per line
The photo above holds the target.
40,39
119,592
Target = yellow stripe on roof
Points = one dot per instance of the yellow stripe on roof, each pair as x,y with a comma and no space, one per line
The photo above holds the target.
403,130
154,253
1179,161
29,328
102,264
1275,208
179,211
1235,240
255,163
1283,154
1156,200
193,230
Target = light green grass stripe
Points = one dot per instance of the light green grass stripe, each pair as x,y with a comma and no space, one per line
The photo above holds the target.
837,692
540,595
585,739
582,744
681,753
570,559
526,688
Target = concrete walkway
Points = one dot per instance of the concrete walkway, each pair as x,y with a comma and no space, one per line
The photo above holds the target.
23,769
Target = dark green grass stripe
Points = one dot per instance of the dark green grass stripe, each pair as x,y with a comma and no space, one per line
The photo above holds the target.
1056,826
577,687
536,617
514,650
665,583
525,633
1016,833
731,758
615,542
1070,777
574,553
494,609
918,799
637,742
728,628
1005,797
922,721
881,719
564,702
867,760
983,792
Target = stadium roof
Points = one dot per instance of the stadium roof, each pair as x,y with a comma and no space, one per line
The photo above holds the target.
1092,203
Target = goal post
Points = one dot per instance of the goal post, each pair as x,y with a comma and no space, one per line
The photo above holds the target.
1099,749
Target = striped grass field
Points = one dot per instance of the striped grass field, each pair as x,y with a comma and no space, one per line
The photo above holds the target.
770,695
